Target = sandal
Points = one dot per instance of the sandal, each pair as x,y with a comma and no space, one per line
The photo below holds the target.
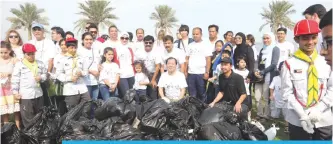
286,129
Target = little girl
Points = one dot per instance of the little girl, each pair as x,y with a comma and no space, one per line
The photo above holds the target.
244,73
109,75
141,79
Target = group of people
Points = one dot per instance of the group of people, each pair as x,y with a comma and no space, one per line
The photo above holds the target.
295,82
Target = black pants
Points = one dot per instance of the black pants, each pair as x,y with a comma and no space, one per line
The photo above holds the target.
74,100
153,92
297,133
124,85
59,102
44,86
29,109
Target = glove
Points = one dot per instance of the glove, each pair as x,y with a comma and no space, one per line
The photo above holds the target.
53,76
316,112
306,124
166,99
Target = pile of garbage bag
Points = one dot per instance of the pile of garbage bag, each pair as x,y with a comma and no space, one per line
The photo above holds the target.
117,119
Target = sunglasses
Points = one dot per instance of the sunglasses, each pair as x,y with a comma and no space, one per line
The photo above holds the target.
13,36
123,38
36,29
93,32
327,43
148,42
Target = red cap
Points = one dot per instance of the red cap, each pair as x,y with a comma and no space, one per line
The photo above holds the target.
28,48
71,40
100,40
305,27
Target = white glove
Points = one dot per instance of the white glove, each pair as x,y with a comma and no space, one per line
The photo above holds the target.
316,112
306,124
166,99
53,76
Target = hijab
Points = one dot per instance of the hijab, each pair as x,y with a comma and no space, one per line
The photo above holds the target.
241,48
268,49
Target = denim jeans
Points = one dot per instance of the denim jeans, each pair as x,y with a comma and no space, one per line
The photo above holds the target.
125,84
93,91
105,92
196,86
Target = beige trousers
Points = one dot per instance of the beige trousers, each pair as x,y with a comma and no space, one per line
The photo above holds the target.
262,97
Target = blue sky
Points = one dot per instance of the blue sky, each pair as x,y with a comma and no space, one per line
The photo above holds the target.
236,15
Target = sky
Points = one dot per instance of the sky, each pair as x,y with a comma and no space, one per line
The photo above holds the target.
235,15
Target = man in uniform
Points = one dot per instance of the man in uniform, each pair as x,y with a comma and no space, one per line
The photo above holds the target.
305,89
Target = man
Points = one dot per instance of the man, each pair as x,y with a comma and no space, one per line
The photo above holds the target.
286,48
57,34
304,87
139,44
232,89
183,43
113,42
172,85
69,34
26,78
93,29
152,62
326,31
315,12
198,58
170,51
213,32
87,26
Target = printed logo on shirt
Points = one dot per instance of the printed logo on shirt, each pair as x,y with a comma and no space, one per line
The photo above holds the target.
298,71
66,64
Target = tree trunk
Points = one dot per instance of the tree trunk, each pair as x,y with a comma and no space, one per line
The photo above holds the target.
29,33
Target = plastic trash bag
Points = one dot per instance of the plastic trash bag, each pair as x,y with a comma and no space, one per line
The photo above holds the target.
116,129
219,131
10,134
129,96
44,126
178,118
152,115
271,132
251,132
211,115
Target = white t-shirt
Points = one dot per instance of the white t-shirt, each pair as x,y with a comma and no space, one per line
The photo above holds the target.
158,46
150,58
99,47
138,46
125,62
140,77
276,85
109,43
18,52
183,45
244,74
109,72
46,50
286,49
172,84
91,59
212,44
197,52
176,53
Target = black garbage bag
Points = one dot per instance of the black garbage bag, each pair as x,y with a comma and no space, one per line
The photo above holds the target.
82,137
194,107
89,109
129,96
10,134
230,115
251,132
219,131
179,134
45,126
150,136
152,115
211,115
116,107
116,129
178,118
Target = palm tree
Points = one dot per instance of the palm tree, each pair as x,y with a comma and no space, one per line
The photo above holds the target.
278,15
165,18
25,16
97,12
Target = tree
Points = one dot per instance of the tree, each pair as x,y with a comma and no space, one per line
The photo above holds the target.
165,18
278,15
97,12
25,16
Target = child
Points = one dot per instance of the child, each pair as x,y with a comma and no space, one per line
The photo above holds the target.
26,79
141,79
217,72
244,73
109,75
276,104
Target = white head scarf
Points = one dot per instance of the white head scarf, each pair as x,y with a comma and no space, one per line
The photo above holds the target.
268,49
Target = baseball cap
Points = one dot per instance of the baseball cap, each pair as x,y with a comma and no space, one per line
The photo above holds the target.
28,48
305,27
226,60
37,25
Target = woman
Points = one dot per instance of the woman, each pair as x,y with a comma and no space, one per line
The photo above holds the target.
91,59
267,62
158,45
123,56
71,72
15,41
251,42
217,60
243,50
8,104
